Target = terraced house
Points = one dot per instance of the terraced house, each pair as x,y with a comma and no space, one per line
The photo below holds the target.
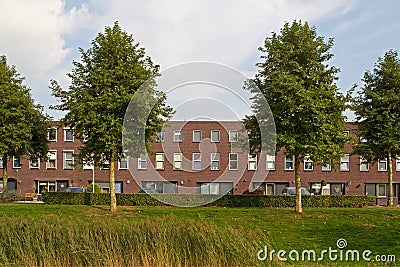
199,157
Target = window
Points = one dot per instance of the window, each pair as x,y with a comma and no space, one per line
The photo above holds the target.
16,163
215,161
1,162
289,164
363,165
196,161
34,163
105,165
52,134
177,161
196,136
345,163
398,164
87,166
159,161
381,190
161,187
177,136
215,136
270,162
123,163
382,165
252,163
233,161
68,160
337,188
160,136
363,140
267,188
51,160
68,135
233,136
346,133
308,164
326,167
142,162
214,188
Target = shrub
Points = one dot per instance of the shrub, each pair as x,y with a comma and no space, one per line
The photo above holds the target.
252,200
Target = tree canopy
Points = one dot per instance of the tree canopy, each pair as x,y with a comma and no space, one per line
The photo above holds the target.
295,78
23,124
103,83
377,110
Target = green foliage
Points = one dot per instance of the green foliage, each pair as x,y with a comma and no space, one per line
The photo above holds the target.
277,201
377,109
97,188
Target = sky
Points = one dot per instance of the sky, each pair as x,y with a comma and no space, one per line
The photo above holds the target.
42,37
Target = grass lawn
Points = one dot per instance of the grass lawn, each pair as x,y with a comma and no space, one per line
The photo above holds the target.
235,233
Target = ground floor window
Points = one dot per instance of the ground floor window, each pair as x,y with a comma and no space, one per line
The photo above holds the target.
161,187
271,188
381,190
51,186
11,184
105,187
214,188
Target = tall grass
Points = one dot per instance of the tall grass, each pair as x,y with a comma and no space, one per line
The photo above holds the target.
166,241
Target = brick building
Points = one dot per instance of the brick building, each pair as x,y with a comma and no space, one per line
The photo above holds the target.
199,157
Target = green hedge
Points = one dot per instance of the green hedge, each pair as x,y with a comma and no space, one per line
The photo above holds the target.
278,201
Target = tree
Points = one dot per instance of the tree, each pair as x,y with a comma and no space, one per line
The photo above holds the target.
23,124
300,87
103,83
377,110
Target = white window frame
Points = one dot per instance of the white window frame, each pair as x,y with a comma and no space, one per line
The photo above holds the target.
51,155
308,160
382,161
271,162
48,134
196,159
87,166
160,136
345,159
34,167
178,161
123,158
160,158
1,162
65,163
219,136
252,162
15,159
178,133
215,158
193,133
142,158
289,161
363,162
397,164
327,167
104,165
346,132
233,161
233,140
65,135
377,190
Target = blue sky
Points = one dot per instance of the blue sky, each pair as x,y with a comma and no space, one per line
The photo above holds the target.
42,37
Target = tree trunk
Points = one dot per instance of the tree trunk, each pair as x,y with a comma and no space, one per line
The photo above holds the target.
299,206
390,179
113,201
5,178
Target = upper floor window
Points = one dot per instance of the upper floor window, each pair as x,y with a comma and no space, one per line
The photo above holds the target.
308,164
34,163
68,160
327,167
196,161
345,162
233,161
289,163
87,165
177,161
177,136
123,162
142,162
215,161
233,136
1,162
196,135
68,135
16,163
214,135
159,161
364,167
105,165
382,165
52,134
51,159
160,136
252,164
270,162
346,133
397,163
